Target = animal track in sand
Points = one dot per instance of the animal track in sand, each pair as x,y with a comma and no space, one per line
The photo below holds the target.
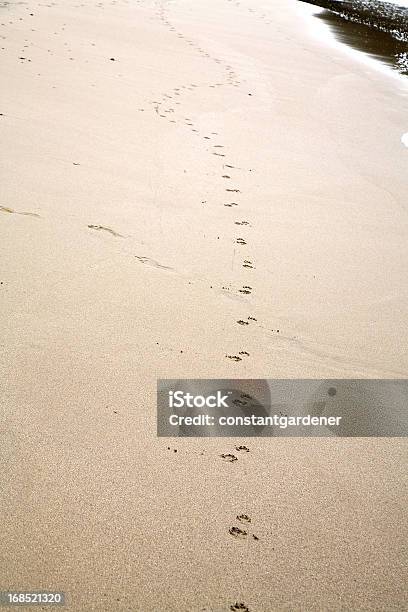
106,229
241,222
240,241
231,204
245,353
219,154
234,357
247,264
243,448
152,262
245,289
236,532
243,518
226,176
228,457
243,322
5,209
233,190
239,607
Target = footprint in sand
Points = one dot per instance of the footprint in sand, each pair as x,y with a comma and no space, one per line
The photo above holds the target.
233,190
243,448
245,290
228,457
234,357
245,353
231,204
243,518
152,262
247,264
241,322
239,607
241,222
238,533
106,229
240,241
5,209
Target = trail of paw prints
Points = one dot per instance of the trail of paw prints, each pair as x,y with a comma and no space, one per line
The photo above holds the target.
242,529
165,106
247,264
231,76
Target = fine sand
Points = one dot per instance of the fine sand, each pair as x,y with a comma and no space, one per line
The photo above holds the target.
170,169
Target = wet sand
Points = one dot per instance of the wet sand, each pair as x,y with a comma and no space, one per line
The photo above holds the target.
195,190
377,28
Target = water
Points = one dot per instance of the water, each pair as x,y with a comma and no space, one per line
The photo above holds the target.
378,29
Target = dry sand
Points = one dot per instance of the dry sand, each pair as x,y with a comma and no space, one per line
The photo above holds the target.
121,264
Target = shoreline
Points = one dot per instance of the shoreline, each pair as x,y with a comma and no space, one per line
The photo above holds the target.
332,31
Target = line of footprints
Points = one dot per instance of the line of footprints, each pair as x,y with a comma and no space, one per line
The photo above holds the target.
244,530
239,532
164,107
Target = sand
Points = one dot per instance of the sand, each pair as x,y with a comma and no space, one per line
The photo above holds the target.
169,169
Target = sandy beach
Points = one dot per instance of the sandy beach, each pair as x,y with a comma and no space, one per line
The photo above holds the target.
195,190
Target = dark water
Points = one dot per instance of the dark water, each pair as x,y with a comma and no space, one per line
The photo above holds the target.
379,29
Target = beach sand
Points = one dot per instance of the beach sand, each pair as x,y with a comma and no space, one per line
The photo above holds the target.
169,169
